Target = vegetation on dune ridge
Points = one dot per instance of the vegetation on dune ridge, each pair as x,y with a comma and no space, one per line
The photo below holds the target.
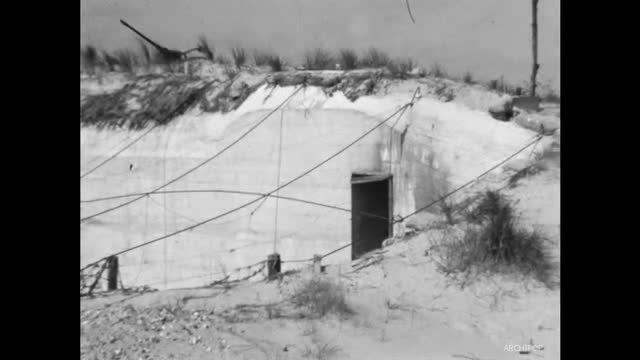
161,103
132,62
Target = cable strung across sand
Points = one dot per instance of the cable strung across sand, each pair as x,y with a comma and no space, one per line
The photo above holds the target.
197,166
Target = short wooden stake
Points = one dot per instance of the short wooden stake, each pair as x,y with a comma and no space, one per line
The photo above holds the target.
317,264
273,266
112,273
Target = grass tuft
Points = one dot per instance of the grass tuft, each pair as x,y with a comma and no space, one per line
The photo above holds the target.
204,47
497,244
319,59
321,297
239,56
348,59
375,58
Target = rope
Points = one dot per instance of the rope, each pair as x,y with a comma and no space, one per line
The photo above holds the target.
415,93
261,197
120,151
364,213
536,139
336,250
223,280
199,165
275,231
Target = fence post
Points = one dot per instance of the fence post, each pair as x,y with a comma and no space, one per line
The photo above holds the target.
317,264
273,265
112,273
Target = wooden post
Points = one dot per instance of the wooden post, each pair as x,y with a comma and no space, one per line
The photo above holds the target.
112,273
273,265
534,45
317,264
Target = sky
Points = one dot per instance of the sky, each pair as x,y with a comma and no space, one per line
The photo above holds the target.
489,38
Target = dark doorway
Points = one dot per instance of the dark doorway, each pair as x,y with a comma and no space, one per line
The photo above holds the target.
371,204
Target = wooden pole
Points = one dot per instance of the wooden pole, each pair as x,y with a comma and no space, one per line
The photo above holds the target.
534,45
112,274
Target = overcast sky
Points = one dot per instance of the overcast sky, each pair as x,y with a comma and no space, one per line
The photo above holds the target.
490,38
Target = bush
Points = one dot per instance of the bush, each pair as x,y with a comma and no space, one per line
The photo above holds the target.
276,63
437,71
497,244
204,48
127,60
89,58
266,59
319,59
320,349
348,59
375,58
493,84
146,54
401,68
468,78
321,297
109,60
239,56
260,58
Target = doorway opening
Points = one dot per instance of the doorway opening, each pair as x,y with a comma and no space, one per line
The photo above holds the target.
371,207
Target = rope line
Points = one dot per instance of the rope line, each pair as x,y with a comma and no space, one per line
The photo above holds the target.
251,129
275,226
536,139
241,193
415,93
120,151
258,198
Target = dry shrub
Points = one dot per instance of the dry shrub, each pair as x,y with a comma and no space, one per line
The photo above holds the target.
319,59
109,60
401,68
127,60
204,47
146,54
348,59
496,244
239,56
321,297
438,71
320,351
89,58
375,58
262,58
467,78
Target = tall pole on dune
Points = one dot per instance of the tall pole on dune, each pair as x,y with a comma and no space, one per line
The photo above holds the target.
534,45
